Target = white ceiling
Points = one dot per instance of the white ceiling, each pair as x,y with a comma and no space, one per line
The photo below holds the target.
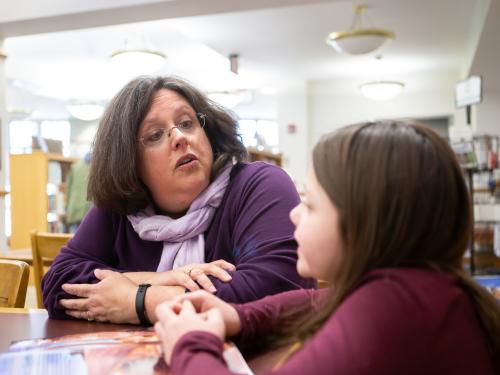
280,42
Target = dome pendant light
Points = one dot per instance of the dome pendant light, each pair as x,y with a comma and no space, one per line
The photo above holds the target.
359,40
138,58
381,90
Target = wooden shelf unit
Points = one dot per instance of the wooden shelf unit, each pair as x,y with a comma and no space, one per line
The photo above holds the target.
266,156
29,180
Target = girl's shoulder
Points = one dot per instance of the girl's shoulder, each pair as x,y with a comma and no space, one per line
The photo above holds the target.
412,315
411,288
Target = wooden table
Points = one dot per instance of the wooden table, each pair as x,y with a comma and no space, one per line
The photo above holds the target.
22,324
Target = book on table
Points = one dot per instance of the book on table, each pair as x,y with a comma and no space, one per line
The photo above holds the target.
116,352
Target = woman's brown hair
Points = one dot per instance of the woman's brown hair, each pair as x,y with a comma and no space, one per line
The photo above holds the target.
402,202
114,183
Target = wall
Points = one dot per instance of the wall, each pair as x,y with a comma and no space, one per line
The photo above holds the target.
293,108
330,109
487,64
260,107
488,113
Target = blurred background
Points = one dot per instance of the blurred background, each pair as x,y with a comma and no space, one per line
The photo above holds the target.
267,60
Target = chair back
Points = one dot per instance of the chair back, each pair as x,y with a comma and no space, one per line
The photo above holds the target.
14,278
44,247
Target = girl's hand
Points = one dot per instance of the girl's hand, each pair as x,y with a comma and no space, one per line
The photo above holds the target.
186,276
204,302
175,323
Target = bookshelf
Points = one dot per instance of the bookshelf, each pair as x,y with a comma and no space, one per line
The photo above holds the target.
38,198
478,157
266,156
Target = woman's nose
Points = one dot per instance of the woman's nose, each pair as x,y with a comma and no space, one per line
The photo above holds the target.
177,139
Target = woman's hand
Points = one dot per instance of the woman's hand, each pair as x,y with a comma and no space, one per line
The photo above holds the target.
175,323
191,276
204,302
112,299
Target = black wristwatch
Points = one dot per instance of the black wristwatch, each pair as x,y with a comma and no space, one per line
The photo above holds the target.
140,307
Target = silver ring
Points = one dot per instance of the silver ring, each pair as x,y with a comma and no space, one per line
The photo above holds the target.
189,272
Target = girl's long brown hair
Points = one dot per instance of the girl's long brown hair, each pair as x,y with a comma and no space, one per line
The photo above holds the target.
402,202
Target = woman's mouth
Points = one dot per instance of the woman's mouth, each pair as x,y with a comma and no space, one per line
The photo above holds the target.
185,160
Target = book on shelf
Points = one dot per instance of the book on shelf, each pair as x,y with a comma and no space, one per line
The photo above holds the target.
116,352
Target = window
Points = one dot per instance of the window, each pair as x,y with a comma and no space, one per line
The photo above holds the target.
261,134
21,133
57,130
20,136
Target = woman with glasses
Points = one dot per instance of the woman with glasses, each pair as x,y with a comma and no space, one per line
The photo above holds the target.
176,209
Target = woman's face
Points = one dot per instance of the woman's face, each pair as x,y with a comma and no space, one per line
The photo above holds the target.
317,231
177,168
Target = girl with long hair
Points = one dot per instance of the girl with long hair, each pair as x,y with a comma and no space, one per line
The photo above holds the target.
386,220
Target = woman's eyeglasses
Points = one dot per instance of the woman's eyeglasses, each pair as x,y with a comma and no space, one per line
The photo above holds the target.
154,137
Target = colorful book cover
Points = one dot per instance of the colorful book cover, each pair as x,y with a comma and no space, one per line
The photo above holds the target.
490,282
118,352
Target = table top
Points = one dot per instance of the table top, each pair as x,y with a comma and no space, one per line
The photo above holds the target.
23,324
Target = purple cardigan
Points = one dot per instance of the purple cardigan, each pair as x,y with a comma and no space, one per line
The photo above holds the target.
250,229
398,321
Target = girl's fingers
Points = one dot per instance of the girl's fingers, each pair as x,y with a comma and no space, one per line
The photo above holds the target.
187,308
164,312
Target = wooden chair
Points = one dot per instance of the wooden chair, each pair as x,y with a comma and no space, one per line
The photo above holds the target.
45,246
14,278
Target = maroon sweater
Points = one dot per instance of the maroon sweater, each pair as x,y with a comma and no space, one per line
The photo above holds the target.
397,321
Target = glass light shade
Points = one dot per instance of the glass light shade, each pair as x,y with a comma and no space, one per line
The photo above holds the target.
138,62
86,112
360,41
381,90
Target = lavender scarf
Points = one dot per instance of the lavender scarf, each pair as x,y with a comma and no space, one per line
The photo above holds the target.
183,240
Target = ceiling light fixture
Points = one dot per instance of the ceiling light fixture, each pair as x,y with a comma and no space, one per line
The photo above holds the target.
358,39
138,58
85,111
381,90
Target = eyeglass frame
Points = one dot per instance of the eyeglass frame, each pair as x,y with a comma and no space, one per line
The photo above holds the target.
201,117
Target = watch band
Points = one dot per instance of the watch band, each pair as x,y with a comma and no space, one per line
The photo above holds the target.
140,307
